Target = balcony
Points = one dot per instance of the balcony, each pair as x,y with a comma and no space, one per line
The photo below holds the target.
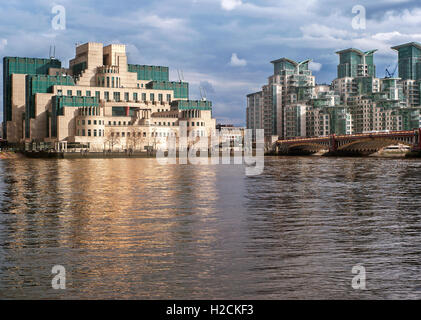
109,69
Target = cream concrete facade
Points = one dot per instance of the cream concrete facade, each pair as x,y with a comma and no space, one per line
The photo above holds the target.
121,112
15,128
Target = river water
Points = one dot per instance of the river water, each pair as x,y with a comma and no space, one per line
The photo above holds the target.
134,229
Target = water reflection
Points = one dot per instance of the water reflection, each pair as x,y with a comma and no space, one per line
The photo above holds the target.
131,228
333,215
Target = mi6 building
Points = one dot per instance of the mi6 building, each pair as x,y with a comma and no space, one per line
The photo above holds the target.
100,101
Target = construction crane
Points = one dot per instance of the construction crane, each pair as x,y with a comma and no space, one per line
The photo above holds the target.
390,74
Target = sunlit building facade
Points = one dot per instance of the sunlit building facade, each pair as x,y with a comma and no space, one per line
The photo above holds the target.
355,102
100,101
254,111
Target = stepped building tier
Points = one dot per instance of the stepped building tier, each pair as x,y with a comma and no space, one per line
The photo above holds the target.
100,101
292,105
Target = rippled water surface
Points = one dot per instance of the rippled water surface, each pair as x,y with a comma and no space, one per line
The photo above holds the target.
130,228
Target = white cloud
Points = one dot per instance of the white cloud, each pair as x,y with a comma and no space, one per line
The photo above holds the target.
321,31
3,43
162,23
237,62
220,83
314,66
396,36
386,36
230,4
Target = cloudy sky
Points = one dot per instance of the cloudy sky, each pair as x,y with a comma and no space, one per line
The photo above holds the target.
224,46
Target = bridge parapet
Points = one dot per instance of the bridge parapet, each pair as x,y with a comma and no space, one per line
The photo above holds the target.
364,143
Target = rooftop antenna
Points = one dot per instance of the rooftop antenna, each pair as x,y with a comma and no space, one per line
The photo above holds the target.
202,93
180,75
52,52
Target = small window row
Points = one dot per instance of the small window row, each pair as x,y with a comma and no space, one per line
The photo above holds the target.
95,122
90,133
117,95
164,123
198,124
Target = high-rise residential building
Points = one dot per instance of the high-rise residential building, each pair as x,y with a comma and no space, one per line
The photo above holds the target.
254,112
317,122
356,74
356,63
341,120
409,61
295,120
100,101
355,102
291,83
